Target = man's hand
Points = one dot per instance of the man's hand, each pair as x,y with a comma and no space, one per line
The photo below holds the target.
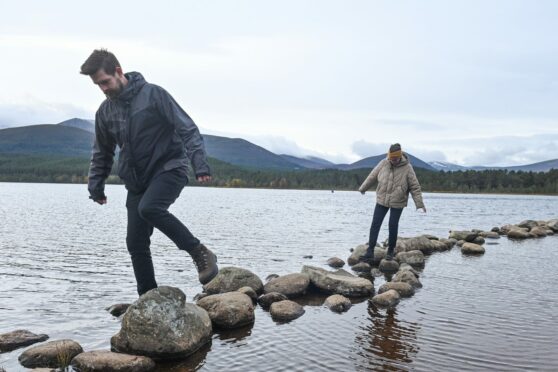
363,192
203,179
101,201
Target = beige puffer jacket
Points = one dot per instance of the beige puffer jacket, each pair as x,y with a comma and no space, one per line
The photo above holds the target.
394,184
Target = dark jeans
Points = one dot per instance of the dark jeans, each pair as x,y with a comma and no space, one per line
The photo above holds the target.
379,214
150,209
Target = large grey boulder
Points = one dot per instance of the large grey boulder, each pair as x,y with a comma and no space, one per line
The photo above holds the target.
338,303
407,276
386,299
230,279
19,338
338,282
336,262
229,310
291,285
472,248
468,236
161,325
52,354
413,258
404,289
107,361
267,299
285,310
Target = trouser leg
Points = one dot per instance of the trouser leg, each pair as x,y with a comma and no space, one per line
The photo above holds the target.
138,240
379,214
155,202
394,216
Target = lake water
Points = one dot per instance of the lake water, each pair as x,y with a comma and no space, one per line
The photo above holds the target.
64,260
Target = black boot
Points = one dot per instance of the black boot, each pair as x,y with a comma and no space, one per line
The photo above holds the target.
206,263
368,257
389,254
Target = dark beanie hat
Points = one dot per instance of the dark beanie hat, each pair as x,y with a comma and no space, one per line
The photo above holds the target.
395,147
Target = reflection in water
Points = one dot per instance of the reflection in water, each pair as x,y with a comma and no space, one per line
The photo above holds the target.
192,363
387,344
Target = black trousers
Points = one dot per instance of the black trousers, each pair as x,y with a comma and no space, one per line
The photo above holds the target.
150,209
379,214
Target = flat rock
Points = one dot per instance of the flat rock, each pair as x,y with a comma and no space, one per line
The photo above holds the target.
518,233
338,303
117,309
107,361
413,258
528,224
538,232
387,299
468,236
388,266
405,266
161,325
291,285
229,310
472,248
338,282
336,262
19,338
361,267
52,354
267,299
285,310
404,289
490,234
231,279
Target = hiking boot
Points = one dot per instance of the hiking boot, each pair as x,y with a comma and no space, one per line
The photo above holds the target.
389,255
368,257
206,263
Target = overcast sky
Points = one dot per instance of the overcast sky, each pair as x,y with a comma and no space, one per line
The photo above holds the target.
470,82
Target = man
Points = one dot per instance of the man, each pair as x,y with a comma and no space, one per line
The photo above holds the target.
156,138
396,179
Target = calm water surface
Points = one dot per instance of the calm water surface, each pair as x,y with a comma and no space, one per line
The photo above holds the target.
64,260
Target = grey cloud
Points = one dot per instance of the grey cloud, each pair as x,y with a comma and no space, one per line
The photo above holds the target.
365,149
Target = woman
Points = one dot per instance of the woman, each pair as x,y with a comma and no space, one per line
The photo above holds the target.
396,178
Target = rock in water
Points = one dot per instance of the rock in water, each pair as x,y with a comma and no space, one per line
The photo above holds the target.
336,262
389,266
52,354
230,279
404,289
285,310
229,310
19,338
413,258
338,303
472,248
117,309
161,325
338,282
387,299
107,361
267,299
468,236
291,285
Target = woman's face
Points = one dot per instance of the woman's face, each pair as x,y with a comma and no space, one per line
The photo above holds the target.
394,161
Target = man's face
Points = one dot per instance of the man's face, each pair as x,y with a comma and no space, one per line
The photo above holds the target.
111,85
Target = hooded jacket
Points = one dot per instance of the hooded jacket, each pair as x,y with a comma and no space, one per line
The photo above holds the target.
394,184
153,133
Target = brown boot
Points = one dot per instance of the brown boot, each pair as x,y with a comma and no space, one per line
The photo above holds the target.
206,263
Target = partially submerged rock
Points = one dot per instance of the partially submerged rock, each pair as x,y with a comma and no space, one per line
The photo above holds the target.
117,309
528,224
336,262
338,303
388,266
468,236
291,285
361,267
19,338
404,289
413,258
231,279
538,232
285,310
408,277
229,310
518,233
107,361
472,248
52,354
161,325
338,282
386,299
267,299
248,291
490,234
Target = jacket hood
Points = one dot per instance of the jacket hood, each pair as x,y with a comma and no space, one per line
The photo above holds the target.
135,83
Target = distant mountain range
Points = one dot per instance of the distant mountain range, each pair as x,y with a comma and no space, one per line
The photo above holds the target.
74,137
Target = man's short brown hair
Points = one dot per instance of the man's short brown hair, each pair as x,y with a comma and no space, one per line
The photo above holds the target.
100,59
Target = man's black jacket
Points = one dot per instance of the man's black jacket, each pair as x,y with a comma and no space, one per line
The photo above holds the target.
154,135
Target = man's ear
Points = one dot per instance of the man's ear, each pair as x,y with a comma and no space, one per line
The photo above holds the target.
119,71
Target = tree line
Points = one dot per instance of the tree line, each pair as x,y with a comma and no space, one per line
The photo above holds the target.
56,169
